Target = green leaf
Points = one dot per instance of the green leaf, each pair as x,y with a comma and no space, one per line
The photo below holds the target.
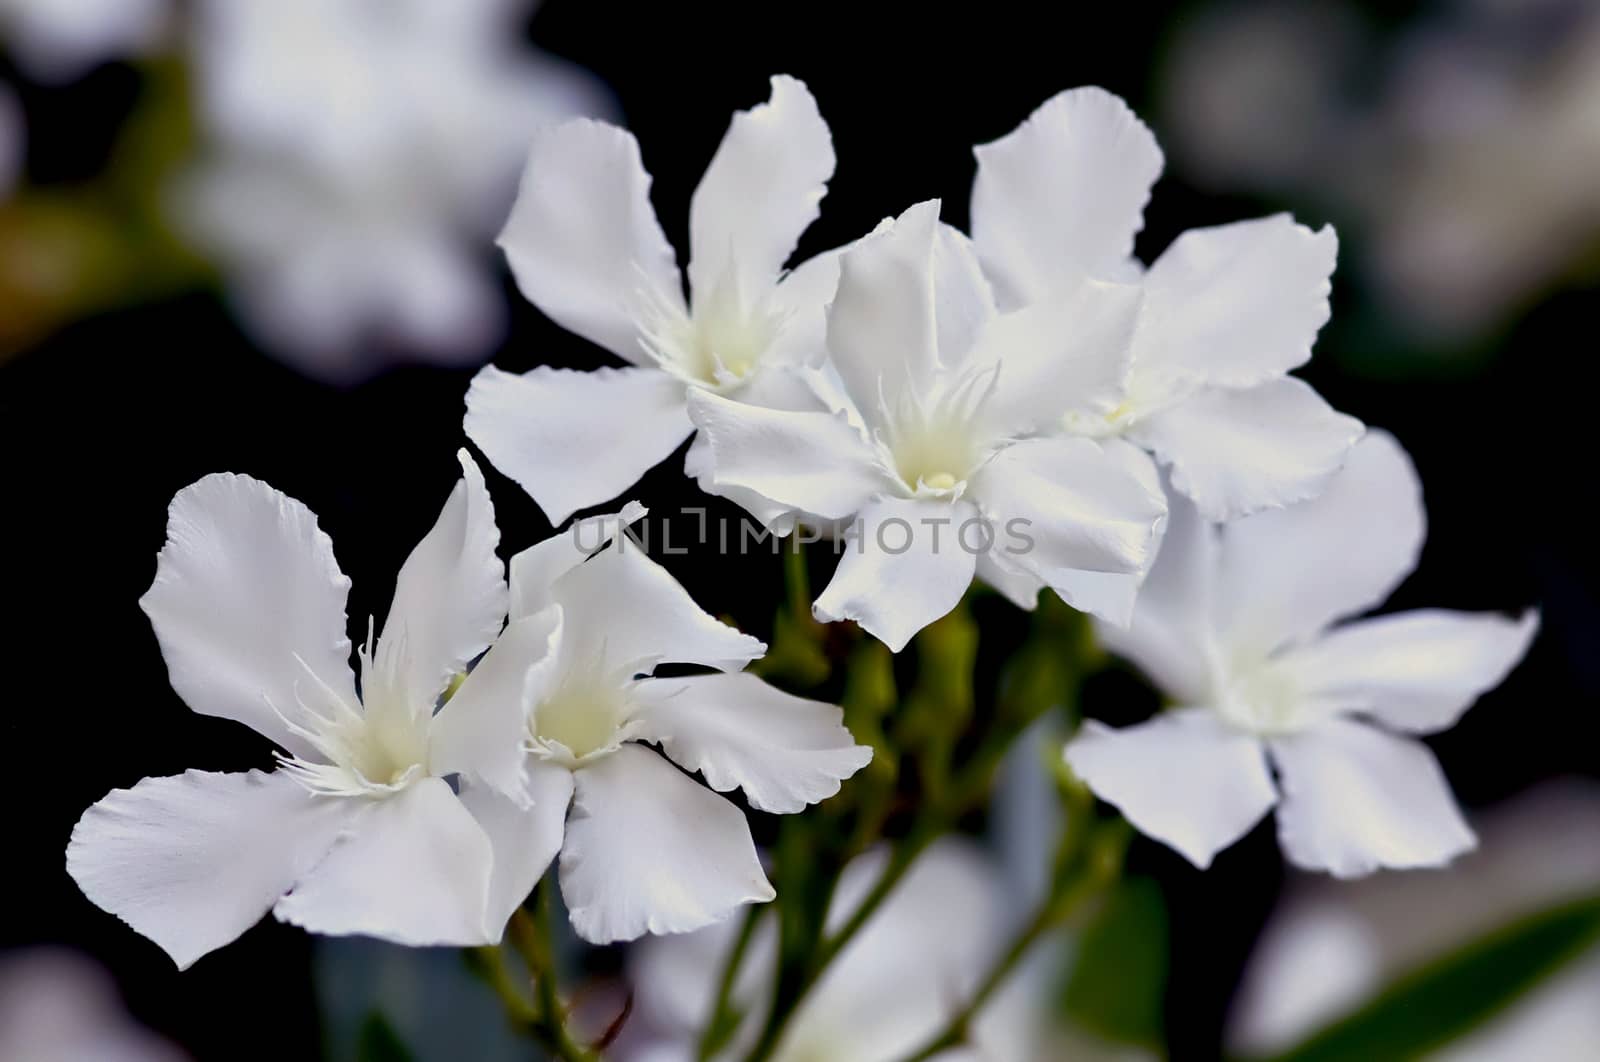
1449,996
378,1042
1117,986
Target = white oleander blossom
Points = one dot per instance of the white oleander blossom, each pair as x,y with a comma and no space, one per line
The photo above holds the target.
645,848
1246,628
923,451
58,40
355,162
358,831
58,1006
894,986
1227,311
587,250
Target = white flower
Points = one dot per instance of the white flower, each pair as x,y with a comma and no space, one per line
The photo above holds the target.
1331,947
905,974
922,447
1239,627
358,831
646,849
56,1006
586,249
1227,311
357,158
58,40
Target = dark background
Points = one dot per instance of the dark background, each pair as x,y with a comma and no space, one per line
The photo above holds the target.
106,420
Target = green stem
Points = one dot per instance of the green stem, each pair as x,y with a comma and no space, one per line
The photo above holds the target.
788,997
724,1016
1094,875
530,935
796,579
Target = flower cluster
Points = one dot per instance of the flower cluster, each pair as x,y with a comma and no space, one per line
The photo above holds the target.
1136,428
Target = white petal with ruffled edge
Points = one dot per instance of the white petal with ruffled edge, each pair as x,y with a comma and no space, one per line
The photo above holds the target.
1063,193
1237,452
1356,799
1171,635
903,292
785,752
623,602
1236,305
902,567
166,856
1182,778
416,870
1413,671
576,439
449,599
1086,508
535,570
584,242
649,850
762,189
1288,573
1066,354
524,839
480,730
248,604
811,462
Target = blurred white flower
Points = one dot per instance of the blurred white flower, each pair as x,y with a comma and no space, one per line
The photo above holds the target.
587,249
1227,312
1239,626
905,974
358,832
1329,948
1467,175
920,450
356,156
59,1007
58,40
646,849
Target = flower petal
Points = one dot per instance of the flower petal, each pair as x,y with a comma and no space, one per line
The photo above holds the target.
908,295
903,567
798,461
166,858
415,870
1237,452
761,191
1182,778
1172,631
1356,799
575,439
1019,586
524,839
449,599
480,730
1413,671
649,850
1066,354
249,606
1236,305
583,240
1082,506
1063,193
535,570
1288,573
625,603
785,752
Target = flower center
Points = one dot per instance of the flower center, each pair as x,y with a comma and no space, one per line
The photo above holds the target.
723,344
583,717
933,453
1263,698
